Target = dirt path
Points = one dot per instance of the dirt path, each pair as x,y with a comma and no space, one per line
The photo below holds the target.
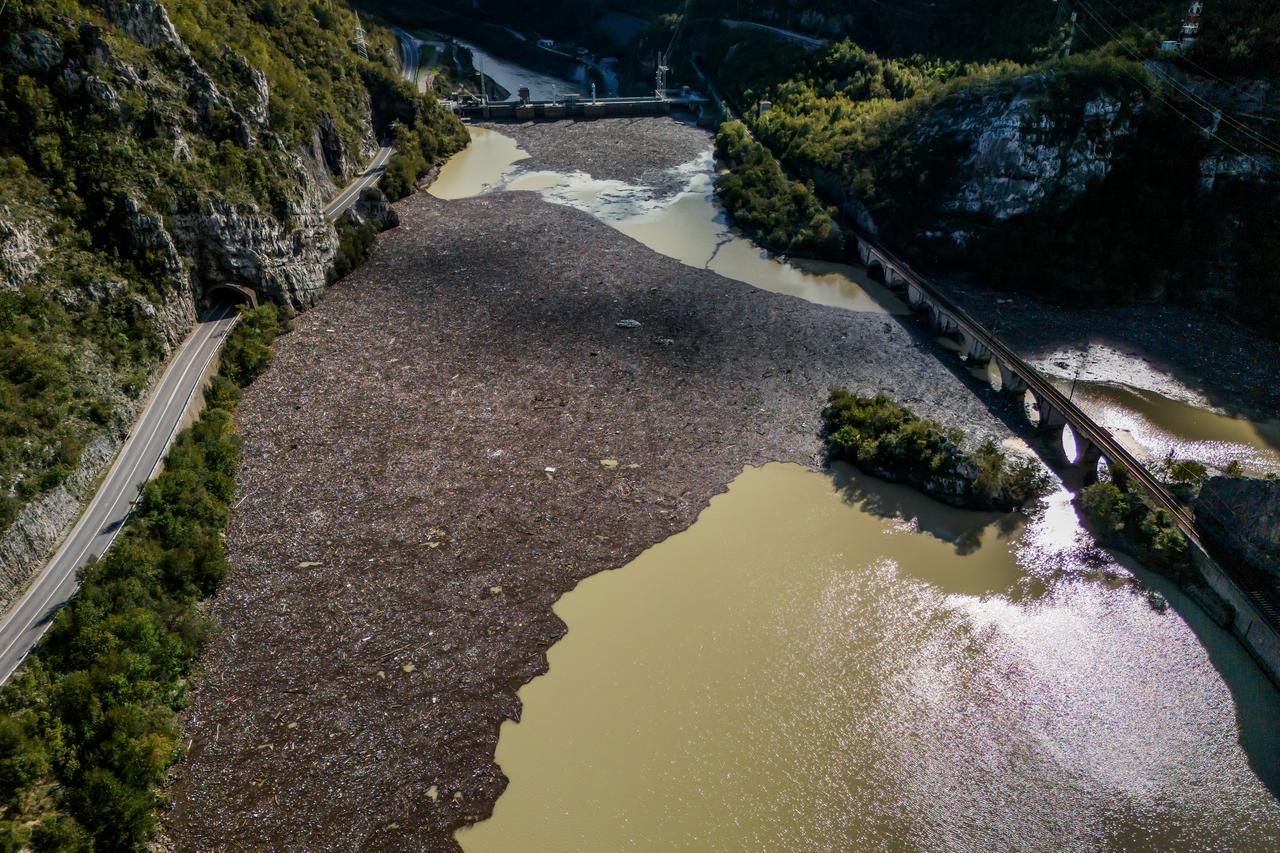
456,436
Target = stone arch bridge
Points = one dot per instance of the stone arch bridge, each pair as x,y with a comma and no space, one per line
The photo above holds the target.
1256,611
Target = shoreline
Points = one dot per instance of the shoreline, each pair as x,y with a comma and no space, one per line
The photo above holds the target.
448,442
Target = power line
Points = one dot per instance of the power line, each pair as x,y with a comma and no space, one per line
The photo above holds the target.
1189,60
1247,131
1209,130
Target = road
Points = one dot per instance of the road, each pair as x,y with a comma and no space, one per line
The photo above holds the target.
370,176
409,58
24,624
27,620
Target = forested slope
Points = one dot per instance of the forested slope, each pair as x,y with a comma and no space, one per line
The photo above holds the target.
149,151
1115,174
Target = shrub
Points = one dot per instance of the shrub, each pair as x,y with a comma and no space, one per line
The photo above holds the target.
94,707
781,214
1124,519
884,438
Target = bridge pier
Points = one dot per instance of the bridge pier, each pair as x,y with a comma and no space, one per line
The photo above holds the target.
1079,451
1011,382
1049,417
972,349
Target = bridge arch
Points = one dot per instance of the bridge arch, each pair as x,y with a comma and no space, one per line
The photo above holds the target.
1078,450
227,292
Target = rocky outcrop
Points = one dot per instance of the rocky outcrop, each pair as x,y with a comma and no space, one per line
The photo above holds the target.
146,22
1025,147
23,241
242,244
1241,517
33,51
187,243
374,208
1236,166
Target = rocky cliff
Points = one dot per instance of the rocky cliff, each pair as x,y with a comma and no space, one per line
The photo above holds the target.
1023,148
150,151
1241,517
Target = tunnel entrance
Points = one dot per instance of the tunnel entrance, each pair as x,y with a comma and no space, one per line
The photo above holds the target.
231,294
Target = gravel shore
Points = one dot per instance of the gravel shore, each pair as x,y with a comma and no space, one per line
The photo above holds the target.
641,151
1174,351
451,440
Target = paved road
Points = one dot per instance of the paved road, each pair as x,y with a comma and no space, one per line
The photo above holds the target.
811,42
409,57
370,176
24,624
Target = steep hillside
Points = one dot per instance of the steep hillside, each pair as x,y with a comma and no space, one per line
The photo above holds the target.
1091,179
148,152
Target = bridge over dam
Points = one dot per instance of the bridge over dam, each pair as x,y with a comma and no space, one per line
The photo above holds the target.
1256,617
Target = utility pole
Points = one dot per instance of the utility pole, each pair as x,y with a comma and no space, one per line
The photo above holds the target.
1057,25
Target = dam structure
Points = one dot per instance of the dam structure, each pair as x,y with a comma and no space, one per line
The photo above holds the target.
662,102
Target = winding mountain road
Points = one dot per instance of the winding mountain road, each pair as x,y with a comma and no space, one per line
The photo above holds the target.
25,622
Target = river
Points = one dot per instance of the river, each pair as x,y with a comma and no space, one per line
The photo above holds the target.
836,663
830,662
690,226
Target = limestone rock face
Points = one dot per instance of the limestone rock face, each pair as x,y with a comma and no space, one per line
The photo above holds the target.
192,239
1024,149
373,208
245,245
33,51
146,21
23,240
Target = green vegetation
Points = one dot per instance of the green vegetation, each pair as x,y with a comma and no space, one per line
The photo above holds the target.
1122,518
782,215
884,438
103,141
883,139
420,146
89,721
354,244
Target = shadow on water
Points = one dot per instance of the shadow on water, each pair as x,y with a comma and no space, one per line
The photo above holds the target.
1256,699
963,529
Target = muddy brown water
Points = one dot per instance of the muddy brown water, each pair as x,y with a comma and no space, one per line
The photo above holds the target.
829,663
690,227
836,663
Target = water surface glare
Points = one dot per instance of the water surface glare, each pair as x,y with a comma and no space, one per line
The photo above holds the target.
689,225
826,663
1161,427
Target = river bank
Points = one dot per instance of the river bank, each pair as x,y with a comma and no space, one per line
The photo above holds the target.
1176,352
454,438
